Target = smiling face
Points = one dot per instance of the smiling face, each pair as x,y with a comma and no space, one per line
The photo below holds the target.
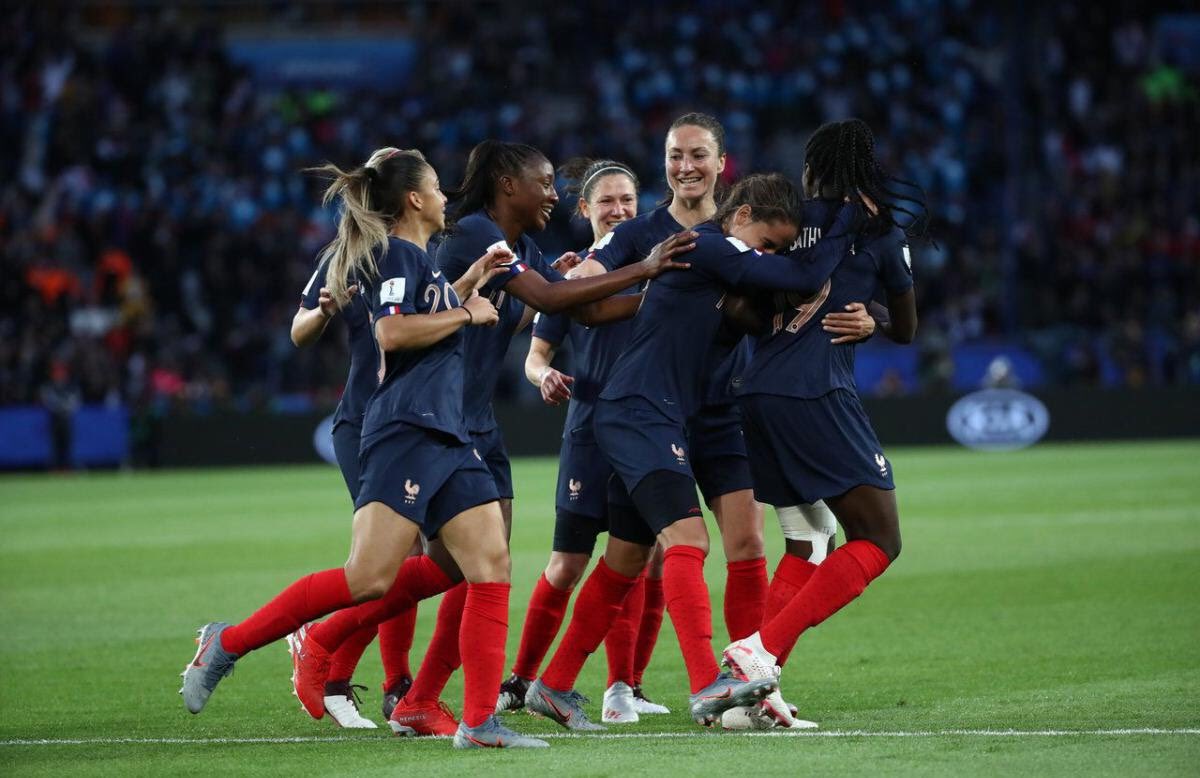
532,196
692,162
613,199
770,236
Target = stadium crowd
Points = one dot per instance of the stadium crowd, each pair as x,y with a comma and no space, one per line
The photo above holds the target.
156,230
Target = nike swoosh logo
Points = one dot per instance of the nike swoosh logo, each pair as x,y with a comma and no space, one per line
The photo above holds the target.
550,702
723,696
438,274
196,662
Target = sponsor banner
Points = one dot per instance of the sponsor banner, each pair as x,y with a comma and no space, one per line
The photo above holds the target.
998,420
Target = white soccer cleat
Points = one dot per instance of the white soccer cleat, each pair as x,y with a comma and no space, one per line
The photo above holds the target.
619,704
342,705
748,659
647,707
746,717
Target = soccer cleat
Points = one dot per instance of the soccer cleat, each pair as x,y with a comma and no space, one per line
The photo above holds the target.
341,703
207,668
746,717
392,696
422,719
492,734
748,659
566,708
727,692
619,706
644,705
310,668
512,694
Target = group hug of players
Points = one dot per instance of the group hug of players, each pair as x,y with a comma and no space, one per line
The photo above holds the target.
713,346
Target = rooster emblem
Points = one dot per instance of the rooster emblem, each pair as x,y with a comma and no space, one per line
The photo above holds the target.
411,490
574,486
679,453
879,460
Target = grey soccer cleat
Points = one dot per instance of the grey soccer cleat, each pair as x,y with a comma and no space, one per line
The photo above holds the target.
492,734
566,708
207,668
512,694
727,692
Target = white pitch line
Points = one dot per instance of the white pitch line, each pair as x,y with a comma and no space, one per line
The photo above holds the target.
852,733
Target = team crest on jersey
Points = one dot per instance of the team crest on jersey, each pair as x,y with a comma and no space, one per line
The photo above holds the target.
574,487
883,465
680,454
411,490
392,291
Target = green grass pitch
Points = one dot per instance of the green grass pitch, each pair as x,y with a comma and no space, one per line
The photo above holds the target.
1053,592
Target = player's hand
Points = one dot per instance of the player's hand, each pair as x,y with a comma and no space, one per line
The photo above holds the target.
555,386
487,267
566,262
854,325
328,307
483,313
662,256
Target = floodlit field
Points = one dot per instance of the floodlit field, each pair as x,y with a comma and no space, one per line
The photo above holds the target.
1044,618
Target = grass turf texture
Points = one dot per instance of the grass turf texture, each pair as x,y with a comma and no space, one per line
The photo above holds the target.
1051,589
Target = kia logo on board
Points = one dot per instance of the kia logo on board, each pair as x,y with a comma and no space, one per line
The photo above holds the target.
998,420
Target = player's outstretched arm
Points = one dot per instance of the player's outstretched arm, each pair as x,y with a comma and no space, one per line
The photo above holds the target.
308,325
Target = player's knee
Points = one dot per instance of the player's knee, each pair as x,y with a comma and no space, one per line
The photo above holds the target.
492,565
685,533
566,570
368,584
744,546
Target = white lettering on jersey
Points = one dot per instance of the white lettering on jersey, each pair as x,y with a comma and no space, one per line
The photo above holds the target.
392,291
807,237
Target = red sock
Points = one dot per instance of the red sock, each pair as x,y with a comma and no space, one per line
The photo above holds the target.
419,578
345,659
839,579
395,641
790,576
647,637
309,598
621,641
597,606
547,605
745,597
691,612
442,657
482,638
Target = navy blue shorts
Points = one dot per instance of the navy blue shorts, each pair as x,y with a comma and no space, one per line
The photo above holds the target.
805,450
583,475
640,442
346,438
426,476
719,451
490,446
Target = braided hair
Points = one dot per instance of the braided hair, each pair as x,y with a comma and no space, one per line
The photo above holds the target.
839,160
489,160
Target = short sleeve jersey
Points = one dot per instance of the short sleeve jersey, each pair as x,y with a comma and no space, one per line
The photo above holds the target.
796,358
422,387
594,352
364,354
485,347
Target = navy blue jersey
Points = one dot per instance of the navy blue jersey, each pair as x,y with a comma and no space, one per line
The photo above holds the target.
632,241
364,355
796,358
594,351
420,387
674,344
486,346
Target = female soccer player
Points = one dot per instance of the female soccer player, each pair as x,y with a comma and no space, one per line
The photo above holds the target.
607,193
808,436
694,161
317,308
420,472
507,192
658,384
